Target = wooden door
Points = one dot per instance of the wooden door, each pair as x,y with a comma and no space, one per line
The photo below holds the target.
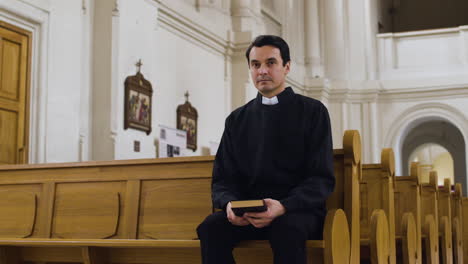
14,72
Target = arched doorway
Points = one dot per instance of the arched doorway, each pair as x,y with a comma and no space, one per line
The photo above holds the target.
433,157
440,132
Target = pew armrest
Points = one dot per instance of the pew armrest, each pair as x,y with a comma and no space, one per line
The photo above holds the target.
336,237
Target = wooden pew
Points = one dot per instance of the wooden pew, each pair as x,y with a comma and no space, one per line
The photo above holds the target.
408,200
465,226
445,223
376,188
430,220
146,211
457,223
378,192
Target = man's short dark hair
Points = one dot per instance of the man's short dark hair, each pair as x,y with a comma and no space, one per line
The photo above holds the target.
270,40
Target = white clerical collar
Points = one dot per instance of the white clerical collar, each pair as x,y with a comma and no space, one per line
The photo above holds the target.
269,101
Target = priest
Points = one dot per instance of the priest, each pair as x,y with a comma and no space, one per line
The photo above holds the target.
278,148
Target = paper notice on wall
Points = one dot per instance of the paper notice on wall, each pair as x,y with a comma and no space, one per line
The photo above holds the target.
172,142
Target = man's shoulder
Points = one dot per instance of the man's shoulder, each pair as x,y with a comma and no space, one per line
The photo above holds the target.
242,110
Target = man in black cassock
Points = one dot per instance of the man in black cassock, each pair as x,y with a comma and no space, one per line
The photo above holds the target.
277,147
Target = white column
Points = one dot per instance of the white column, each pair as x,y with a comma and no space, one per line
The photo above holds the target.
104,55
374,130
334,39
313,57
86,84
246,25
344,116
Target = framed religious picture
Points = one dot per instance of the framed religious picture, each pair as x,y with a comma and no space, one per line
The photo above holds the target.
187,119
138,102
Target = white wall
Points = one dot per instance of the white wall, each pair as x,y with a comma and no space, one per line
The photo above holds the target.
88,48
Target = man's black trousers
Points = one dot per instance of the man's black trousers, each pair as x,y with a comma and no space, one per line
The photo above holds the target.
287,235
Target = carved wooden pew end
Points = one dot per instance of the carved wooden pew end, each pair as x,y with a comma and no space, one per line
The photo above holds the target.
430,241
377,209
409,239
380,240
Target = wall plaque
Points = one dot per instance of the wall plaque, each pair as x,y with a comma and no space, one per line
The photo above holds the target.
138,102
187,119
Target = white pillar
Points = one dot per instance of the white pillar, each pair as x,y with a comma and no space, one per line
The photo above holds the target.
334,39
104,55
313,57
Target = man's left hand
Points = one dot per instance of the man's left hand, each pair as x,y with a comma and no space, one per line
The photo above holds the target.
274,209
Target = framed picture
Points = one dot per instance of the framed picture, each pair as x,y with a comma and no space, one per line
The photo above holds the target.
187,119
138,103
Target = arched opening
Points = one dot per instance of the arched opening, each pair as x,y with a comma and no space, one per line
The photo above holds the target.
403,15
433,157
436,132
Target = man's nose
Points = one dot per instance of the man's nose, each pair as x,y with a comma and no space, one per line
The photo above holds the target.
263,69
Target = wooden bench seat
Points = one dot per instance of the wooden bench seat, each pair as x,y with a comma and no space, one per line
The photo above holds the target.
430,220
465,227
408,200
378,192
114,250
117,211
457,223
445,221
376,187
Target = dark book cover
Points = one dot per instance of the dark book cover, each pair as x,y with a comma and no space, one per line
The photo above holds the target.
241,207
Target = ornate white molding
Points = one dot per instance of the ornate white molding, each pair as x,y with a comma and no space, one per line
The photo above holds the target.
296,84
43,5
336,92
191,31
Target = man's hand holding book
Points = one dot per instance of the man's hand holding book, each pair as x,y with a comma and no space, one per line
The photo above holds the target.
259,213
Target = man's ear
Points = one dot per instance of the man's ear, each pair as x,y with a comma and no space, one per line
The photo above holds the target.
288,67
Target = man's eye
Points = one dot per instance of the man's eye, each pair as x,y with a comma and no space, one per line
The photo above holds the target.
270,62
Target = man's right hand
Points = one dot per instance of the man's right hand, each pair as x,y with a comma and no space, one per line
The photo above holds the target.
234,219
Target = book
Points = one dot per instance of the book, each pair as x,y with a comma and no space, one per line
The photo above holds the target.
241,207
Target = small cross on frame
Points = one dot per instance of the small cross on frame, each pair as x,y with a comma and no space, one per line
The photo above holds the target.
139,64
186,96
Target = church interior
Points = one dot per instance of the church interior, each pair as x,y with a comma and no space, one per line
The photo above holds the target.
94,92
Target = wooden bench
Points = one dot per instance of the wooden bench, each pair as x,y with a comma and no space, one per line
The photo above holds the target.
445,223
408,200
430,220
465,227
146,211
376,189
378,192
457,223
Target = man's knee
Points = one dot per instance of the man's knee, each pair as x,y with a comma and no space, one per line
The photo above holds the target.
296,227
212,225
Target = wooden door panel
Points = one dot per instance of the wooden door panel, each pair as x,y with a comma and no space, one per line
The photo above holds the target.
8,139
11,54
14,71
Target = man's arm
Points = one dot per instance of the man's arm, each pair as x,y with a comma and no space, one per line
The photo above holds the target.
223,185
319,180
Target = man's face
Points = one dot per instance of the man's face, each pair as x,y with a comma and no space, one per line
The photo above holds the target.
267,70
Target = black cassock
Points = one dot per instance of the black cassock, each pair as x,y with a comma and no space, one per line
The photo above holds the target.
282,151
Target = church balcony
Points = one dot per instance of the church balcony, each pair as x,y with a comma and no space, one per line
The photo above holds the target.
438,57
